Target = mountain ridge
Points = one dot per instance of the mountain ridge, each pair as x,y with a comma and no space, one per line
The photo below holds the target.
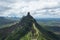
26,25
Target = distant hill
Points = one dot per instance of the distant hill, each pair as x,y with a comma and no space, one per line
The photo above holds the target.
27,29
48,19
4,20
13,18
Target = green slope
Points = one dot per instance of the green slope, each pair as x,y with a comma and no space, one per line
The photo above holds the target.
38,35
33,36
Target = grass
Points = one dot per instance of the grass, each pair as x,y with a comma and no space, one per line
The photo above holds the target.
36,36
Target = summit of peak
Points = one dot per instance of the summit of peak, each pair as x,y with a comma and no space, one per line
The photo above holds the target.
28,14
28,17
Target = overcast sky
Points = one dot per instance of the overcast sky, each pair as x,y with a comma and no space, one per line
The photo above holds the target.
38,8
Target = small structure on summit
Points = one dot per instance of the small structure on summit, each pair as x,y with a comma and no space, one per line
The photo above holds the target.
28,14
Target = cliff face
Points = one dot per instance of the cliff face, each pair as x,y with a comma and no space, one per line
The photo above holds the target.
27,29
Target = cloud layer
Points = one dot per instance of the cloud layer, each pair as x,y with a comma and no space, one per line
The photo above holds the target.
38,8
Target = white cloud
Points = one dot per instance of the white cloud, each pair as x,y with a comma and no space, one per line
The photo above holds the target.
20,7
